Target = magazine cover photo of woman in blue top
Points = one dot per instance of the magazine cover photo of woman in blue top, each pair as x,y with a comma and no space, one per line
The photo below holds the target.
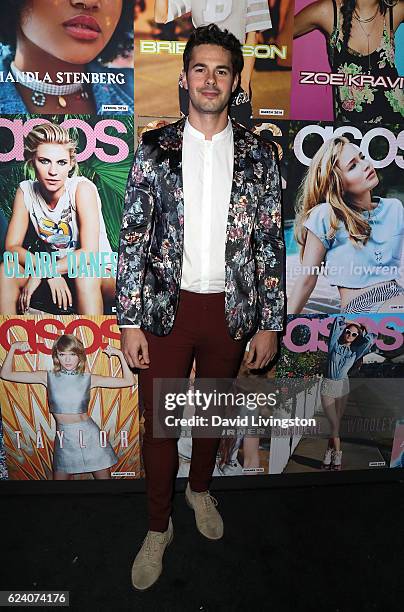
55,57
348,342
354,238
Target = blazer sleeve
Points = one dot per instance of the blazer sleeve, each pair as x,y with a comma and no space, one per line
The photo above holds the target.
269,247
136,229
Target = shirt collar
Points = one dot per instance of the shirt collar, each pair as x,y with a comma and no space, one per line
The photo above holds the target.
189,130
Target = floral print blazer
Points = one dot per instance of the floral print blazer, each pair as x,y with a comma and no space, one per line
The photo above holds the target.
152,236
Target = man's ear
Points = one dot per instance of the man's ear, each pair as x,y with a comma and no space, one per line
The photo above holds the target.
184,79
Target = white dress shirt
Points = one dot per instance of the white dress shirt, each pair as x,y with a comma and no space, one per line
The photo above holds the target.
207,173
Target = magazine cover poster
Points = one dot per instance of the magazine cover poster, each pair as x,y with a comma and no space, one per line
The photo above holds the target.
346,62
344,219
397,452
353,366
3,465
68,399
162,28
62,186
66,57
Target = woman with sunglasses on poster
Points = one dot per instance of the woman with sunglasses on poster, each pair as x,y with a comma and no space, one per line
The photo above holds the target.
79,447
360,41
58,212
349,341
54,56
354,238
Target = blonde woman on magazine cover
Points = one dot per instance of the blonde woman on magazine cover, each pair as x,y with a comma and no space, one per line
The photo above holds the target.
355,238
63,212
68,388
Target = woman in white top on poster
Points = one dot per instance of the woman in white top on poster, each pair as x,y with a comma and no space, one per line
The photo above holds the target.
64,210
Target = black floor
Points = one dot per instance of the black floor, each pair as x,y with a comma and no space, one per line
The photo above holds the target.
331,549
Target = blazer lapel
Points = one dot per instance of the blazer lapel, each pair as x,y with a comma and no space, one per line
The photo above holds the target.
170,147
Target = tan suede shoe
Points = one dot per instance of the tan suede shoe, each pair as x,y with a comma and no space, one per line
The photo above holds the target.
148,563
208,520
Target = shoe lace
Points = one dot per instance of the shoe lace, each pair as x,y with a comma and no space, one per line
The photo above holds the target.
153,542
210,502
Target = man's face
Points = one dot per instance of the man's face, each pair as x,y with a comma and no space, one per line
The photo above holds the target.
210,80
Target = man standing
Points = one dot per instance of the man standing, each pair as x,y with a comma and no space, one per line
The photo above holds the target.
200,270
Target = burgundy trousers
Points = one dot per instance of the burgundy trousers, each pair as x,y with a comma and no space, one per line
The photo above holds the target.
200,331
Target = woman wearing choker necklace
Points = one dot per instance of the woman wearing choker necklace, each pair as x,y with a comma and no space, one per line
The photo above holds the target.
78,448
360,41
349,341
65,47
356,239
63,211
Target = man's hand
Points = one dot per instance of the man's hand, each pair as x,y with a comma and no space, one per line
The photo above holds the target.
135,348
263,348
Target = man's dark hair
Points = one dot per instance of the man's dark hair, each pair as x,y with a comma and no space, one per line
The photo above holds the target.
121,42
212,35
